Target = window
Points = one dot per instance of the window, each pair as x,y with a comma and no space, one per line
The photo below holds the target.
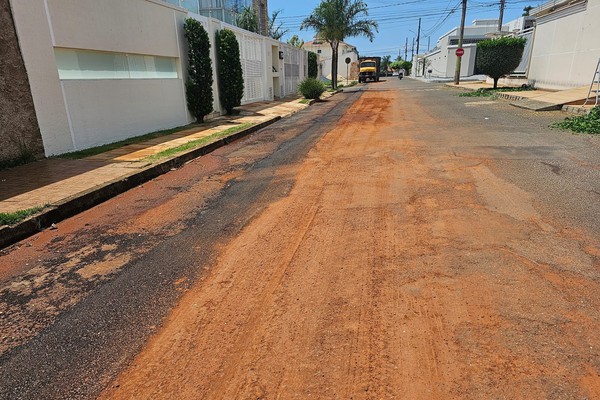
87,64
319,51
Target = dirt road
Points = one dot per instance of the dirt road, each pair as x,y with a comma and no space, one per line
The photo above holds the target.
415,245
393,269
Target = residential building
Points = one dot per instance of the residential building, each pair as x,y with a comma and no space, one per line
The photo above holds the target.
103,71
562,49
325,55
442,59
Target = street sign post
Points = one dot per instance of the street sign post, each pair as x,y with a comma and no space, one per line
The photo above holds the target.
348,61
460,52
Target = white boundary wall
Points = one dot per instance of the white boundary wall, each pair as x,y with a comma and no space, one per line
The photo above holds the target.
566,46
76,114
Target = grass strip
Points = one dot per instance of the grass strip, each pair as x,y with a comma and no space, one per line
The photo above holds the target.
76,155
198,142
18,216
488,92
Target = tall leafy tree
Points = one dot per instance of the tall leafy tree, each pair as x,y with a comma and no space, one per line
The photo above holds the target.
229,70
198,87
248,20
335,20
276,30
498,57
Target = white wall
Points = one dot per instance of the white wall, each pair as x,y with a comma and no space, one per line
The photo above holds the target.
566,49
78,114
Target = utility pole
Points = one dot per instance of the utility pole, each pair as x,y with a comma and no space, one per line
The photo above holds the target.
412,51
460,42
502,4
418,35
406,50
428,42
418,42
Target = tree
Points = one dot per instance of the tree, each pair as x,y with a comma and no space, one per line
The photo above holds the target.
296,42
198,87
385,63
526,11
229,70
498,57
275,30
248,20
313,68
334,20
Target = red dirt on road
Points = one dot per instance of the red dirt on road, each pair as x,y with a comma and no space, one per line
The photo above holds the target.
393,269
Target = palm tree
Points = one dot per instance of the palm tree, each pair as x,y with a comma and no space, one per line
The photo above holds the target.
276,30
385,63
247,20
334,20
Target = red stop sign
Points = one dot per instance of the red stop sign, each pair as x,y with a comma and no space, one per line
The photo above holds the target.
460,52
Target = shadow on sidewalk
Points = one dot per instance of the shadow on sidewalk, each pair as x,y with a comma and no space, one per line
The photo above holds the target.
28,177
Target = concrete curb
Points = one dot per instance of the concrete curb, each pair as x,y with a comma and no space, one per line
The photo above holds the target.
85,200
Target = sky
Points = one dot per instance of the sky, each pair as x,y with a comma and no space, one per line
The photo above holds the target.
399,20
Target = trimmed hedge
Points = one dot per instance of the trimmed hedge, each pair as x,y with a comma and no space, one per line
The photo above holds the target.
198,87
498,57
229,70
313,69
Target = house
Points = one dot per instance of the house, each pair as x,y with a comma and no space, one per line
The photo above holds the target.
325,55
86,72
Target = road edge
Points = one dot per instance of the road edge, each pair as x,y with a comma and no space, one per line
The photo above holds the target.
11,234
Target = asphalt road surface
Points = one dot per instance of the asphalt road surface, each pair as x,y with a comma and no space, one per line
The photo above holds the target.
394,242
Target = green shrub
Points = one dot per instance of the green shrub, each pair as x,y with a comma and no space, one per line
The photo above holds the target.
498,57
589,123
313,68
229,70
198,88
311,88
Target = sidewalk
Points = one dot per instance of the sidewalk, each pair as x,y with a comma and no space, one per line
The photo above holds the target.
538,100
64,187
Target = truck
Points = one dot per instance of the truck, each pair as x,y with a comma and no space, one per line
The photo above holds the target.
369,69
